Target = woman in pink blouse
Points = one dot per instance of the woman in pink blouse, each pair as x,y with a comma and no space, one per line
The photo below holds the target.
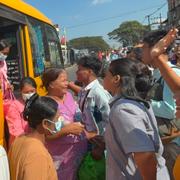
4,83
13,109
68,146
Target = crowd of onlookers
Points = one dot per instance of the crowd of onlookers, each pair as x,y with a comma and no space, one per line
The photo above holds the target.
123,128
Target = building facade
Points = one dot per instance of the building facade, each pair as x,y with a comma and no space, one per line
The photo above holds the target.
173,13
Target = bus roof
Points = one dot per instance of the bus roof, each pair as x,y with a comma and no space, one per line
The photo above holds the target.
25,8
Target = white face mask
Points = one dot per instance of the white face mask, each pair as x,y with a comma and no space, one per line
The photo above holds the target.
2,57
27,96
57,126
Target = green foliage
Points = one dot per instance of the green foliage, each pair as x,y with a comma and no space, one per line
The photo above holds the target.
128,33
94,43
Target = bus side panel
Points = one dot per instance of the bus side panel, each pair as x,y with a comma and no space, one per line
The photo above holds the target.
1,120
40,89
23,42
29,64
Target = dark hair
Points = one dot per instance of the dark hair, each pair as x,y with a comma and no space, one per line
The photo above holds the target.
3,44
38,108
27,80
138,53
129,50
92,63
131,75
144,79
50,75
154,36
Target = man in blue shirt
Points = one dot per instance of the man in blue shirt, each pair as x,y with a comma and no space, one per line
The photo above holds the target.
166,107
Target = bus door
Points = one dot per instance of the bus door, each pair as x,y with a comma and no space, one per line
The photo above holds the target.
15,61
10,31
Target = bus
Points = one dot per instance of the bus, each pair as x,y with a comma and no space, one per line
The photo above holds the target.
35,45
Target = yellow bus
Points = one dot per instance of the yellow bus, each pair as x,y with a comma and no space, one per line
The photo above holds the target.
35,45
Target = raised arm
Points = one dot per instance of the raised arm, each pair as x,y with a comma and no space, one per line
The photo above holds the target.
75,88
171,78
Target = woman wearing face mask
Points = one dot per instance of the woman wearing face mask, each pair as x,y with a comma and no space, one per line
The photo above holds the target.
13,110
4,83
28,157
67,147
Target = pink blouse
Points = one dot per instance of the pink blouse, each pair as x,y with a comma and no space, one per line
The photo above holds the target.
7,93
13,115
68,151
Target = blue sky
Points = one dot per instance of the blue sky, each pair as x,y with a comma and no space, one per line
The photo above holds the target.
77,16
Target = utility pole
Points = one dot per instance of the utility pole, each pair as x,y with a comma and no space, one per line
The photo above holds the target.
149,23
160,21
157,21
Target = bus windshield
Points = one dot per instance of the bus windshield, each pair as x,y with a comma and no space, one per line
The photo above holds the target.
45,46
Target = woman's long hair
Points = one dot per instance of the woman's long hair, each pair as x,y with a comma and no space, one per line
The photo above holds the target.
133,79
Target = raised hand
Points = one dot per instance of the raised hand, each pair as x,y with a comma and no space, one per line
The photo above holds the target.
161,46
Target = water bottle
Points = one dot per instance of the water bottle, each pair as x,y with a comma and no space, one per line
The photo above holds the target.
78,115
78,118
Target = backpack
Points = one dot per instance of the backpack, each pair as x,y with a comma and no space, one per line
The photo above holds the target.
156,91
167,127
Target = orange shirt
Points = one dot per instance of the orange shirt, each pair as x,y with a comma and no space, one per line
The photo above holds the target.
29,160
176,170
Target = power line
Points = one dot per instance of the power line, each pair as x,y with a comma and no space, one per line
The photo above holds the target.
149,15
143,20
157,9
113,17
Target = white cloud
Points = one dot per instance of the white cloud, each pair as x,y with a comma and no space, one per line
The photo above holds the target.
95,2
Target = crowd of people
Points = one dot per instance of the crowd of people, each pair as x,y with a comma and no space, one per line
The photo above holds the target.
113,54
120,126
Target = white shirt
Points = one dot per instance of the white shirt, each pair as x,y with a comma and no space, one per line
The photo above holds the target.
4,166
90,85
85,90
94,103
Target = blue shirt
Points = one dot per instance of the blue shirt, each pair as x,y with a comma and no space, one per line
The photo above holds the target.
177,141
94,104
130,130
167,107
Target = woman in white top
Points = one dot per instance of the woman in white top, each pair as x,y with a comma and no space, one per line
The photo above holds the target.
4,166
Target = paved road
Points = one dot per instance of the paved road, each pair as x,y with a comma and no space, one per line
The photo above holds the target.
72,72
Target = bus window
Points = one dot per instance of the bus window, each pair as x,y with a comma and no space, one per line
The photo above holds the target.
38,45
13,60
54,46
45,46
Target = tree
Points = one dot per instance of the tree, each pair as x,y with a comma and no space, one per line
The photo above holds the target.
128,33
94,43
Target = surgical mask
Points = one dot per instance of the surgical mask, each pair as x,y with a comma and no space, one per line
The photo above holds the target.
27,96
58,125
2,57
